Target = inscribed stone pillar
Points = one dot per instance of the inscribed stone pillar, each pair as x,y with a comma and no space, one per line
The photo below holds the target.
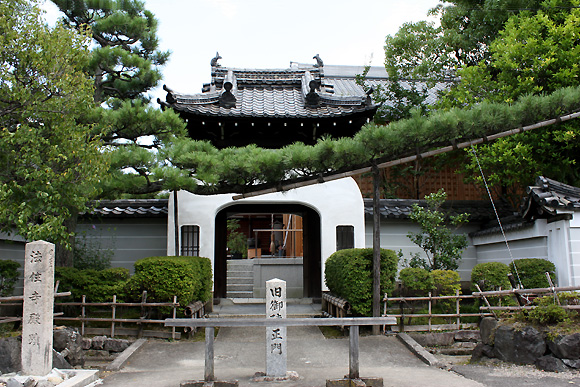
37,312
276,335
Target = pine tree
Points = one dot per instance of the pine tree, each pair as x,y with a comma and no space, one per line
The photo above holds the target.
125,64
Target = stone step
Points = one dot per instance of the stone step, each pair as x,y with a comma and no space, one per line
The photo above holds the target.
239,294
241,280
240,274
240,262
240,287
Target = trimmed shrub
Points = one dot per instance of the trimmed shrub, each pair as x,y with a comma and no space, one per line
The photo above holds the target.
96,285
188,278
348,274
8,276
532,272
446,282
416,281
490,276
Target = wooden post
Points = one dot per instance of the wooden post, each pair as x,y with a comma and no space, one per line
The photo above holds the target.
114,314
487,302
376,245
457,309
83,315
176,222
142,316
430,309
208,374
174,316
353,352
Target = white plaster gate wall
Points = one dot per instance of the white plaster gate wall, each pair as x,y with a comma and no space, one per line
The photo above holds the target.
337,203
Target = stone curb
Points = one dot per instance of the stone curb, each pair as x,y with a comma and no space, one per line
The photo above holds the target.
82,378
120,361
418,350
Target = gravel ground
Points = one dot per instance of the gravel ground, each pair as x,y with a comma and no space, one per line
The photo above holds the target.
496,373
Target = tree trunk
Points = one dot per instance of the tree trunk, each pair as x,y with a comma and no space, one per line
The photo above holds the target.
376,246
64,256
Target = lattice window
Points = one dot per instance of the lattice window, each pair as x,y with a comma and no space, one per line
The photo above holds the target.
344,237
190,241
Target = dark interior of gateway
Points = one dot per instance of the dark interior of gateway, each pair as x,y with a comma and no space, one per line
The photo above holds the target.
271,231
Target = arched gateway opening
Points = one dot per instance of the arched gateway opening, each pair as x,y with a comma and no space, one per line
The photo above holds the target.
255,225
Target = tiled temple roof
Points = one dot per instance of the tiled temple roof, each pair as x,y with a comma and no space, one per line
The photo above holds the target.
300,91
548,197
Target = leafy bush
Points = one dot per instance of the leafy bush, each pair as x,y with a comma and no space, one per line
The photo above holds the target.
96,285
416,281
446,282
490,276
442,247
549,314
348,274
188,278
531,272
8,276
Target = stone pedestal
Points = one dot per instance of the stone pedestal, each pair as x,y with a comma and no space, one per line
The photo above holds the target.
37,313
276,340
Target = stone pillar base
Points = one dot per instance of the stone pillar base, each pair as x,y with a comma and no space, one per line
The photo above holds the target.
202,383
361,382
262,377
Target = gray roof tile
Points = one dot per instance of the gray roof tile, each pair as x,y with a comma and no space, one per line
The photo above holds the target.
131,208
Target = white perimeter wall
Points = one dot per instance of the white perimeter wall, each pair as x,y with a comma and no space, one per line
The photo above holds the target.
337,202
558,242
394,237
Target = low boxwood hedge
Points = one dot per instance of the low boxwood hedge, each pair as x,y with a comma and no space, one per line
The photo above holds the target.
532,272
96,285
348,274
490,276
188,278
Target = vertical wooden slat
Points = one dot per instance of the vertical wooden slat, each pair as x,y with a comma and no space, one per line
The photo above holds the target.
457,309
353,353
174,316
209,355
429,314
376,246
113,314
83,315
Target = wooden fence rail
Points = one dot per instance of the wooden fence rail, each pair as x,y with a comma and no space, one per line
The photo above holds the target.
430,315
458,315
193,311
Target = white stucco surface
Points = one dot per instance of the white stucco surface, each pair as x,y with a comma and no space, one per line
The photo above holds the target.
337,202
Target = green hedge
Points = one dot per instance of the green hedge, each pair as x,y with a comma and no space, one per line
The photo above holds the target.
188,278
490,276
8,276
348,274
416,281
97,285
532,272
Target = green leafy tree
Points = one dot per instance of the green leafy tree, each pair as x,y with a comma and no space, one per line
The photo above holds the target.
124,65
441,246
535,53
50,163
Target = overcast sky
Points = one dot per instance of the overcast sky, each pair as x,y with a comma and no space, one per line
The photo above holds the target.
271,33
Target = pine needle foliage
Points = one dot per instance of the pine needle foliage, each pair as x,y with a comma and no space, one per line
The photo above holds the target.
250,168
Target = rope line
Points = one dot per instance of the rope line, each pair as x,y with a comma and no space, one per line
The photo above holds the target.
496,215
